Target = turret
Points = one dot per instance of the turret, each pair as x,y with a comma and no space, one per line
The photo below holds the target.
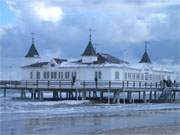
32,55
145,58
89,55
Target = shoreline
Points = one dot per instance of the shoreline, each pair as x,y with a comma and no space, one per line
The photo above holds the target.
148,130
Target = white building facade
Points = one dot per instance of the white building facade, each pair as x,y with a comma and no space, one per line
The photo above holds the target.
93,66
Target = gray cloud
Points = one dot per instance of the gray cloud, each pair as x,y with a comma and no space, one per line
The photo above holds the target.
119,25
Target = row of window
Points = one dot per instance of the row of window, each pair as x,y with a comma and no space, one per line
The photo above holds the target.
52,75
144,76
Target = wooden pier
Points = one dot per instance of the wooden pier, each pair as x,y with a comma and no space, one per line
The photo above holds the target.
102,91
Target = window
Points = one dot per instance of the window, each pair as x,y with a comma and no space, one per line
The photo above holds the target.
52,75
142,76
133,76
45,75
61,75
125,76
37,75
116,75
55,75
31,75
138,76
150,77
73,74
98,75
66,75
129,76
52,65
146,76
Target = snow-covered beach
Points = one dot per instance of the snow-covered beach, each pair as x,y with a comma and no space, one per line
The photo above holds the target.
81,117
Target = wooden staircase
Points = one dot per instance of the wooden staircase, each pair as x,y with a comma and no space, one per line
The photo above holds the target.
166,95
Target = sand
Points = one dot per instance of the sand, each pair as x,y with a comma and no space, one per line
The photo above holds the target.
161,130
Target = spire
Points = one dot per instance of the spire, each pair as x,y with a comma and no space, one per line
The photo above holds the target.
146,42
90,31
145,58
32,38
32,51
89,51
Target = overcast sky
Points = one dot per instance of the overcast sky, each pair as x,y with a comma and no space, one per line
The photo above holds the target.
61,28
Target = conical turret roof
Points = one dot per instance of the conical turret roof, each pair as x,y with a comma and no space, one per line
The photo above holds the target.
32,51
89,51
145,58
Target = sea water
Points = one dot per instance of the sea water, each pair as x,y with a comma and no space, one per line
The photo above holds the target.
19,117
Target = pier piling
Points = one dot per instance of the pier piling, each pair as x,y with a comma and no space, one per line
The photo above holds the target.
4,92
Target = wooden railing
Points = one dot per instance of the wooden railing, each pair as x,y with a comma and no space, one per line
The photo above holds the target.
81,84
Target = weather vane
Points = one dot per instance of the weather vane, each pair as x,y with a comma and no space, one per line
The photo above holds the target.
32,37
146,43
90,32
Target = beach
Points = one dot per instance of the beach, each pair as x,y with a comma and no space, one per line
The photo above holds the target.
159,130
20,117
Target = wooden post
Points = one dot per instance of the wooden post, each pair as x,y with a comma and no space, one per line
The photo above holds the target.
150,96
118,97
155,96
33,94
59,84
40,95
37,83
124,98
48,83
26,84
139,95
129,96
174,95
23,94
144,96
83,95
84,84
109,92
139,84
101,95
60,95
77,94
4,92
89,94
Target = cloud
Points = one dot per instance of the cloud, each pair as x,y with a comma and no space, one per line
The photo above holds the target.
2,33
63,26
48,13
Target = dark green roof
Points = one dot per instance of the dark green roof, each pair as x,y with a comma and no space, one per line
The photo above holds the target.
89,51
145,58
32,52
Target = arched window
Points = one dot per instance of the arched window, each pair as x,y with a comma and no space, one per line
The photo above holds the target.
146,76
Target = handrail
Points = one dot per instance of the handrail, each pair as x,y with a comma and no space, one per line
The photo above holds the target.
83,84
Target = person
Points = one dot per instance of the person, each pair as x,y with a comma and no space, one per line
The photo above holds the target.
73,80
96,81
174,83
